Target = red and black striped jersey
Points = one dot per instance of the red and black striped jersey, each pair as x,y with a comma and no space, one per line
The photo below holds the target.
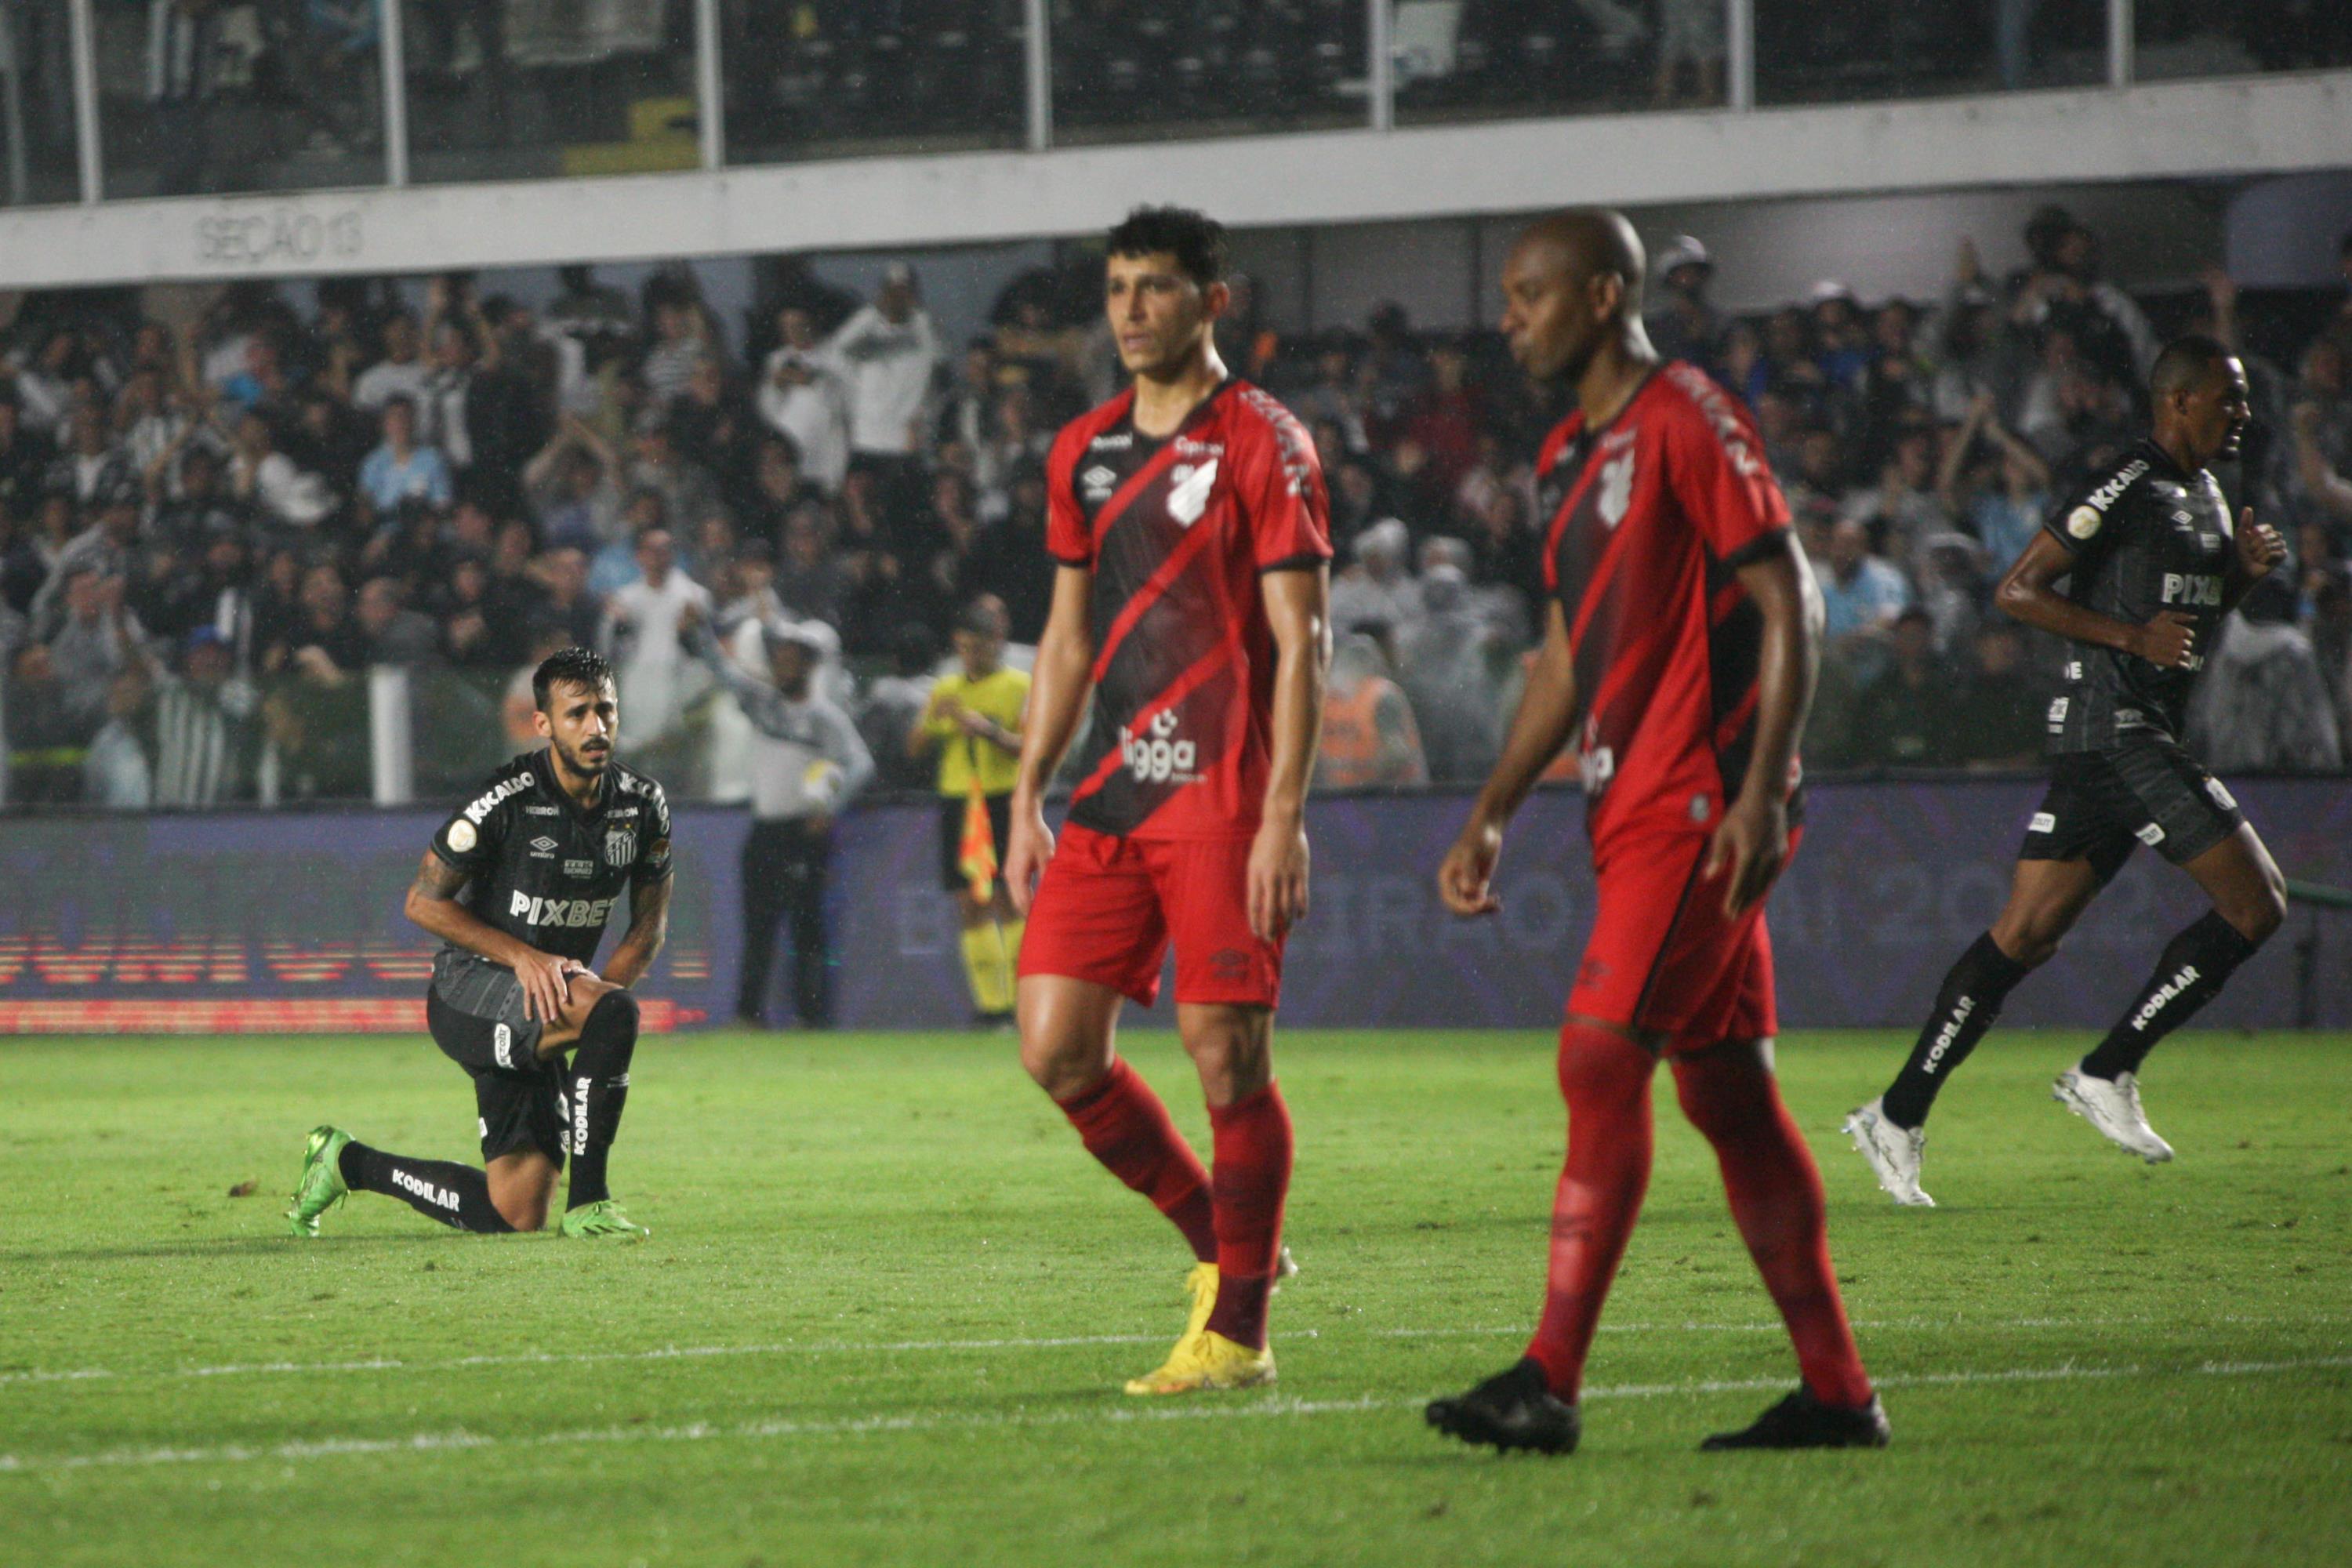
1176,530
1651,518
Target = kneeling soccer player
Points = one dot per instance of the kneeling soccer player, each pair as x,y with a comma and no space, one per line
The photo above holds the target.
1189,520
1678,653
540,857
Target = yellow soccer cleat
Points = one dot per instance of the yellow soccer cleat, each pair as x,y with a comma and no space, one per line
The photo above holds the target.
1201,1284
1206,1359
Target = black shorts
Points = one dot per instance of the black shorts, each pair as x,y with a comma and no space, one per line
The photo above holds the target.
2103,805
519,1101
999,823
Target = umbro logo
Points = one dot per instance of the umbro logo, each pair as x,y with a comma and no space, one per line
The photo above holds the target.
543,845
1099,482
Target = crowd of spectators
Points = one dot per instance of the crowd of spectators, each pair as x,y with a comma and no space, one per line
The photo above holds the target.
218,512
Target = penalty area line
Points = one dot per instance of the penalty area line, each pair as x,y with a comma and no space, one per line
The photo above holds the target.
932,1421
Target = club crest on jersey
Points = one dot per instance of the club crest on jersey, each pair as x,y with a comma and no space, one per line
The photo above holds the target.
620,847
1616,490
1190,497
461,836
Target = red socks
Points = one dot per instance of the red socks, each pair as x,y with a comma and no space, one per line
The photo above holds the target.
1252,1178
1126,1126
1732,1097
1236,1222
1776,1199
1606,1080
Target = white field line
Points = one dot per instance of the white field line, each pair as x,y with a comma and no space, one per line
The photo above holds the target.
930,1421
889,1347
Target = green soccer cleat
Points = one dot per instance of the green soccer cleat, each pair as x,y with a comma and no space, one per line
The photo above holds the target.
321,1186
602,1218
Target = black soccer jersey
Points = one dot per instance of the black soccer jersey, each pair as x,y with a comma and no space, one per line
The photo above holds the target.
546,872
2145,538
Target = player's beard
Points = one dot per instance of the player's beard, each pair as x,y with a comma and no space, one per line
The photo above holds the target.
583,763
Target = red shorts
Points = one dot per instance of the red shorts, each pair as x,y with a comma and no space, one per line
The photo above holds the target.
1106,909
1663,958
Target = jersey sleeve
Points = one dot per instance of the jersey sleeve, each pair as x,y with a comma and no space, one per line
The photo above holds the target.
470,839
1715,465
652,862
1279,481
2086,524
1068,539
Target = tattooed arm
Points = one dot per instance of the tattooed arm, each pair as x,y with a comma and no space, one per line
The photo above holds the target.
648,925
433,904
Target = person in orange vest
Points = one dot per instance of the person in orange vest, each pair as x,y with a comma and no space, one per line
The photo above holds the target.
1370,738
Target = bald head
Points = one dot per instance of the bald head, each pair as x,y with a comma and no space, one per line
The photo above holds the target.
1588,243
1571,283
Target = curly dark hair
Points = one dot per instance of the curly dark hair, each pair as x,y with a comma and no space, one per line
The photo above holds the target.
1196,240
581,667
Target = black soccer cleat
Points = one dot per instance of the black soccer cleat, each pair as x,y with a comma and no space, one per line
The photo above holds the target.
1513,1409
1801,1421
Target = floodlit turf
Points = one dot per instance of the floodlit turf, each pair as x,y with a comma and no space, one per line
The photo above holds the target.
889,1302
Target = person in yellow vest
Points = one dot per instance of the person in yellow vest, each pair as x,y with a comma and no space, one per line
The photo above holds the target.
974,721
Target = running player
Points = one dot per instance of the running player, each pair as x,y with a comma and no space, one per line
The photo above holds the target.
2151,566
1191,526
540,857
1678,654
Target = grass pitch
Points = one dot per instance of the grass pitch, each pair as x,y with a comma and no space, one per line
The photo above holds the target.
888,1304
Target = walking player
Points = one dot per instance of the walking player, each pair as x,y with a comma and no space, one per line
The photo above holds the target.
1192,530
1678,656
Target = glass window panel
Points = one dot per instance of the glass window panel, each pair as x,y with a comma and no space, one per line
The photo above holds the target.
1817,51
810,80
38,157
1129,69
1470,59
2177,39
525,90
210,96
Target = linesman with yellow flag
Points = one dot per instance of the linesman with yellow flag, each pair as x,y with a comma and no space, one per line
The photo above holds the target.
974,719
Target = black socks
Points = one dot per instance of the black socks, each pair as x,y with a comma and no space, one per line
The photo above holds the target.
1964,1008
598,1089
457,1195
2190,974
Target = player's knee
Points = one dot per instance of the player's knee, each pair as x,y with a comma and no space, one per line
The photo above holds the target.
1232,1056
523,1211
615,1009
1062,1068
2257,915
2031,936
1597,1065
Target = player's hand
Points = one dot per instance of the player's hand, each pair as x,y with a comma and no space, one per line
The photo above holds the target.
2260,546
1751,843
1465,877
2169,641
1030,845
1277,879
546,984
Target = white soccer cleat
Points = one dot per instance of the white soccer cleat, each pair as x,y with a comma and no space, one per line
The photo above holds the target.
2114,1109
1894,1153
